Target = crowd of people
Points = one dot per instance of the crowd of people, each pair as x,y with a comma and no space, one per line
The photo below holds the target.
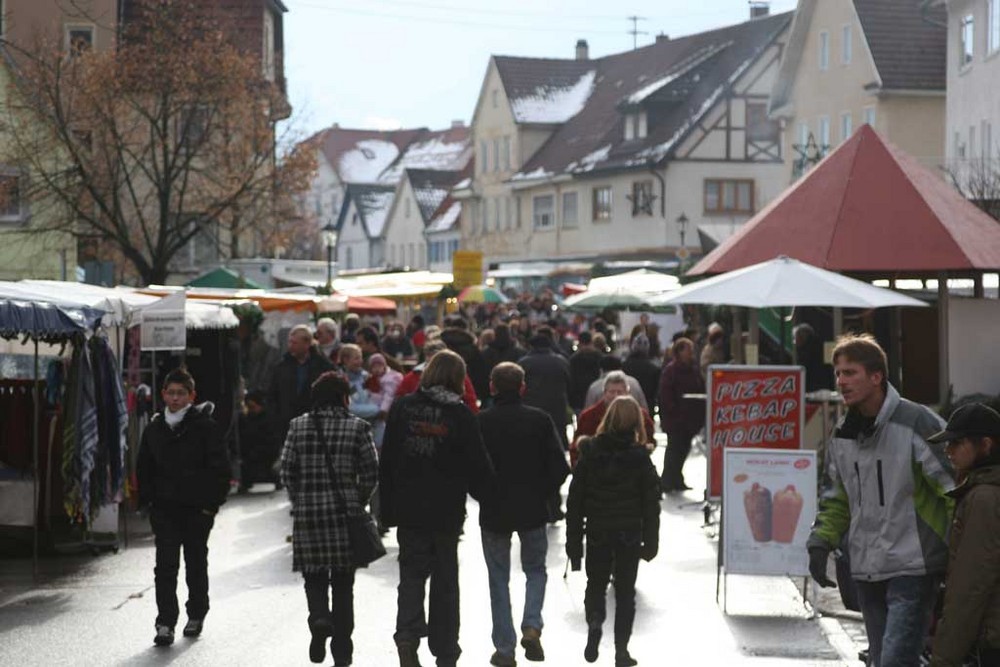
410,421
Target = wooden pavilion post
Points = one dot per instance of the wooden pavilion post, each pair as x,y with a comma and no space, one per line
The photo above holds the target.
944,380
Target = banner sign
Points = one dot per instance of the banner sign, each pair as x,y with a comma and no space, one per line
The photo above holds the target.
163,326
467,268
752,406
768,507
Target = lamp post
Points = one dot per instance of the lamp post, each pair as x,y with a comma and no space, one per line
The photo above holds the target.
682,253
330,241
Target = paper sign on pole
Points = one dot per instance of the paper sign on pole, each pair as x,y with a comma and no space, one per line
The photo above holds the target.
752,406
768,507
467,268
163,326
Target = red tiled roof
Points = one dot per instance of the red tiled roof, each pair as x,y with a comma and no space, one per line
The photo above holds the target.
868,207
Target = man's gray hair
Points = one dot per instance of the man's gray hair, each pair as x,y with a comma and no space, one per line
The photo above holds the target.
616,377
329,325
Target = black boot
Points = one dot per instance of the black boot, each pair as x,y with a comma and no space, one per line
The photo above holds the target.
622,657
319,629
593,642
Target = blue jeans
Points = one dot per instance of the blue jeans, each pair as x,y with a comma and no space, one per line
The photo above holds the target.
897,615
496,549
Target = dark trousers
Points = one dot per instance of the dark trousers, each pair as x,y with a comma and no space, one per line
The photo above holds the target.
433,554
678,448
340,619
176,528
614,551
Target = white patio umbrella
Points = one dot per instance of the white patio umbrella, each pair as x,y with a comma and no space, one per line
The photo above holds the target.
783,282
630,290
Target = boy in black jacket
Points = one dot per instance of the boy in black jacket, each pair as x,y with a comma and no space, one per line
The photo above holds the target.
530,465
183,475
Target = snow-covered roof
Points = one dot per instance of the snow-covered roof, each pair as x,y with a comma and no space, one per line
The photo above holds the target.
438,152
446,220
366,161
554,104
372,203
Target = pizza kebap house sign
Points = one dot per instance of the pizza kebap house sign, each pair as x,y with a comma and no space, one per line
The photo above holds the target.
752,406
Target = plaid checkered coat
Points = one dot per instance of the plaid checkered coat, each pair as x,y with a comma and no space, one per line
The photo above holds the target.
319,535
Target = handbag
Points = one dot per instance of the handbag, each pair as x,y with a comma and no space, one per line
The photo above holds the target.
362,532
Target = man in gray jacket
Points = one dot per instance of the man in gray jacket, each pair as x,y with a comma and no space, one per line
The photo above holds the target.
886,489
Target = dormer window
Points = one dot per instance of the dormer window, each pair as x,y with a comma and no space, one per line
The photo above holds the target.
635,125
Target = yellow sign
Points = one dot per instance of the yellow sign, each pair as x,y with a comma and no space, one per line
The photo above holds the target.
467,268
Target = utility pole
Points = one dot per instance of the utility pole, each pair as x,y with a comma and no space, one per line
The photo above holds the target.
635,32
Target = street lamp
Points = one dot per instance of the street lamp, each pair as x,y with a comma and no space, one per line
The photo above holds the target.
682,222
330,241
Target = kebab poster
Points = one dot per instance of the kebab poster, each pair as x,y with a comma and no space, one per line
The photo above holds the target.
768,506
752,406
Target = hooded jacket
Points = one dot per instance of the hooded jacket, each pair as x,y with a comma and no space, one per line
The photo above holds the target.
432,456
971,617
614,487
887,488
185,466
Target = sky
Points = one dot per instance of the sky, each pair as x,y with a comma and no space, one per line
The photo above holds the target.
385,64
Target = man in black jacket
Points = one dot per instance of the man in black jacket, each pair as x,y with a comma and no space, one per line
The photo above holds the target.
183,475
288,396
459,339
530,467
584,368
432,457
546,376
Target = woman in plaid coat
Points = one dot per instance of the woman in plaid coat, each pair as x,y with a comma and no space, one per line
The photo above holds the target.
322,474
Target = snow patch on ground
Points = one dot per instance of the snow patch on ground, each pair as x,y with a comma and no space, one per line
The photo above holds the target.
554,104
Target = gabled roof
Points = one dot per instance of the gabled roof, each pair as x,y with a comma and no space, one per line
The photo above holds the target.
446,218
868,207
907,39
377,156
431,188
908,42
545,90
372,203
676,80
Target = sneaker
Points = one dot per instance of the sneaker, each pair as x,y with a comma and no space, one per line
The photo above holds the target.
164,635
531,641
193,627
499,659
593,642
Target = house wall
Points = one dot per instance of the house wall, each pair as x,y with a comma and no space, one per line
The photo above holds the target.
917,125
404,236
31,23
354,249
972,360
973,103
449,239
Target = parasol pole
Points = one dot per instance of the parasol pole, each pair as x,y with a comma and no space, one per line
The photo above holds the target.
34,439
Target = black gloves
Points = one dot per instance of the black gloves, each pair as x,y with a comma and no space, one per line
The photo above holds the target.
817,566
648,551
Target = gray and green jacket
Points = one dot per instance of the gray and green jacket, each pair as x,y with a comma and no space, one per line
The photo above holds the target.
887,486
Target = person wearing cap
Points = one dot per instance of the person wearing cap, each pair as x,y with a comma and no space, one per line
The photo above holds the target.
714,351
970,622
886,488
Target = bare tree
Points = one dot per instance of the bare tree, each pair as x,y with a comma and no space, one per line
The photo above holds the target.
978,179
144,147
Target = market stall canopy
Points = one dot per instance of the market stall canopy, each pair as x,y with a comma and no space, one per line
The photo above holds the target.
640,280
632,290
868,207
397,285
267,300
371,305
783,282
223,277
44,321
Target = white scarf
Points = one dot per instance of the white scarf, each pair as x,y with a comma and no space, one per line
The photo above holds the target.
175,418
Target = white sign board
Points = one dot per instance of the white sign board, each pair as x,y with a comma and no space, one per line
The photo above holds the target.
163,326
768,507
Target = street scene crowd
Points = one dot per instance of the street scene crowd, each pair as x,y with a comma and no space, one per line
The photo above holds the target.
370,430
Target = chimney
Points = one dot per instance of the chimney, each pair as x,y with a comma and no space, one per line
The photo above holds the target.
662,37
455,124
582,51
759,9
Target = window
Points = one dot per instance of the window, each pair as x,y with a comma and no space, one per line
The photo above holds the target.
570,217
506,153
354,220
496,155
993,27
824,134
406,208
486,216
959,146
846,47
203,248
496,214
987,135
506,213
966,39
496,98
79,38
824,50
803,135
192,128
759,126
11,201
267,58
350,257
972,141
484,156
869,116
602,203
542,211
642,198
635,125
473,217
846,126
728,196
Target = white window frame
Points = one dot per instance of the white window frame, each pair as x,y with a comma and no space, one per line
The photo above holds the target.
267,58
567,221
824,134
506,153
543,211
69,28
803,134
406,208
643,125
629,127
992,27
966,41
496,155
868,116
602,216
846,125
824,50
846,44
484,156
